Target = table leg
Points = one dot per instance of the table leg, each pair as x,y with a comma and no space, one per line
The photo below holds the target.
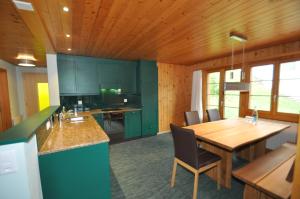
253,151
226,164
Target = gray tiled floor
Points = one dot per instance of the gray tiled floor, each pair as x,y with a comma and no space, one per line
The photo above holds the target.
142,168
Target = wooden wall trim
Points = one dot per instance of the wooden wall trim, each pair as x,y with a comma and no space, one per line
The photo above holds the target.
174,94
283,51
296,181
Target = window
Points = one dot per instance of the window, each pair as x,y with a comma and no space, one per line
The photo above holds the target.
261,87
232,98
213,88
289,91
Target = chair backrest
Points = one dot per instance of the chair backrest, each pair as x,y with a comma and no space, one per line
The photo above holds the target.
191,118
213,115
185,145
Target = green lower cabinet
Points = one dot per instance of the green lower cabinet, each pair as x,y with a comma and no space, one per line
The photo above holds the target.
133,127
100,119
77,173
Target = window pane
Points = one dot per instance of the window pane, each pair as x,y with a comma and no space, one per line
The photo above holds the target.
213,107
232,98
289,90
264,72
261,88
213,84
214,77
236,75
289,105
289,87
213,100
231,112
232,101
260,102
213,89
290,70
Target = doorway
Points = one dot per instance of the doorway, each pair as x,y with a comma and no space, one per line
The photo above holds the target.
36,92
5,115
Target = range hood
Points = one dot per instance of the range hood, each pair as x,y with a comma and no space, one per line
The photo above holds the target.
236,86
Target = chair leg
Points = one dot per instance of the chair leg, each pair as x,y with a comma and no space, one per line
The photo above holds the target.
174,173
219,174
196,185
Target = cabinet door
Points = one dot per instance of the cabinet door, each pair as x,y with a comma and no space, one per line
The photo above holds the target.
133,124
86,77
149,97
109,75
66,76
100,120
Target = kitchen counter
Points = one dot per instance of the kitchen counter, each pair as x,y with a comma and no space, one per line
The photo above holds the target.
26,129
118,110
73,135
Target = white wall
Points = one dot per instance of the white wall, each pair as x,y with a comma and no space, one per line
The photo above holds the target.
53,79
12,87
24,182
20,87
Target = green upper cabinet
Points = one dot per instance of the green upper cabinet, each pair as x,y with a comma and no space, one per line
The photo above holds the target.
118,74
86,76
148,86
133,124
66,75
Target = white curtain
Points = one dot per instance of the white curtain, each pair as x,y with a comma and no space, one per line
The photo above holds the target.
196,104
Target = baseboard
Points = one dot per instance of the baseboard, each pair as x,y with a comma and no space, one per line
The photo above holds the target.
163,132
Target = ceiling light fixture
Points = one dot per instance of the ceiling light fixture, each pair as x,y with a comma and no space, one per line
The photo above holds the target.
69,49
237,86
26,62
26,56
67,35
66,9
237,37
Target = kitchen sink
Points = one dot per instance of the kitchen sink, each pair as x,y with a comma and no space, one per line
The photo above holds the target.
77,119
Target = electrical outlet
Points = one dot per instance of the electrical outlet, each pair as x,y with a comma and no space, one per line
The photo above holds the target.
125,100
79,102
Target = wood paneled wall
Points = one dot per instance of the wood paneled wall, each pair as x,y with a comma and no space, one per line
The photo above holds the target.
282,51
174,94
296,181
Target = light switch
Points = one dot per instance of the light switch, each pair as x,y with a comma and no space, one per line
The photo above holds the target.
125,100
8,162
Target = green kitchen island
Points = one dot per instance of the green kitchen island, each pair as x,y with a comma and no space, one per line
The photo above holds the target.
74,160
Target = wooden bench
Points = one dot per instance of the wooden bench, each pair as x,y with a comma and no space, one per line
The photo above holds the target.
265,177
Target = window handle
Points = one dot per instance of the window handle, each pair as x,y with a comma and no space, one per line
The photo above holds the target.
274,98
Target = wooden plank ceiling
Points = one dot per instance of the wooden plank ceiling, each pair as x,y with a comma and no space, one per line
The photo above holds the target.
16,38
170,31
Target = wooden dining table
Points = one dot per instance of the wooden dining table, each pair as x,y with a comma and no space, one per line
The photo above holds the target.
225,137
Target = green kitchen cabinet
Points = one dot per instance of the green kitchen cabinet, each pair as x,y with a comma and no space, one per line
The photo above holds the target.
132,124
77,75
100,119
86,76
148,89
66,75
83,172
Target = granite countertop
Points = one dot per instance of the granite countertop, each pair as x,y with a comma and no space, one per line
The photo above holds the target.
74,135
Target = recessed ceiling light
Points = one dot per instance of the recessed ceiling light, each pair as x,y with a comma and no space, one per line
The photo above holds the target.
67,35
26,62
69,49
66,9
26,56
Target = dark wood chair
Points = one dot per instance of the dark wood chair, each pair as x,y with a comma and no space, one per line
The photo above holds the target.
191,118
189,156
213,115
